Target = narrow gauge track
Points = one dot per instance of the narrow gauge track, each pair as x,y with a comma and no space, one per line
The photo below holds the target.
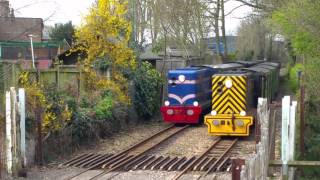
127,157
214,158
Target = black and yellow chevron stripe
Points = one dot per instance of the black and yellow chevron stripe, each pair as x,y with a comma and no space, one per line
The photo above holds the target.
229,100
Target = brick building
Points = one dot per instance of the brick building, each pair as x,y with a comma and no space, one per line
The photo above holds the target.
5,10
18,29
15,43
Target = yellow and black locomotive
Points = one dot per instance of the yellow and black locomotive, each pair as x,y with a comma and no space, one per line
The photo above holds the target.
235,95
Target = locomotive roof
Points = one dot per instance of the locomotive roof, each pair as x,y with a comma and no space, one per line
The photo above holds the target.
248,63
190,70
275,64
259,69
233,73
227,66
265,66
203,66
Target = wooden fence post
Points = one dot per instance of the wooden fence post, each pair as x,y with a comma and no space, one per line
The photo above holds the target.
263,116
79,83
13,136
15,131
257,166
58,77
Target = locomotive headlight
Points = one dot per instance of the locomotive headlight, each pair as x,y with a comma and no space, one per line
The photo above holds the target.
213,113
239,123
228,83
170,111
190,112
181,78
216,122
243,113
195,103
170,81
166,103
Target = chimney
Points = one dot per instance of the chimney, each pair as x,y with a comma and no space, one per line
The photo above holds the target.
4,8
12,13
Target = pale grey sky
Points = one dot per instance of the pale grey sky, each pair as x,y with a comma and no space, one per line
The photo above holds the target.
66,10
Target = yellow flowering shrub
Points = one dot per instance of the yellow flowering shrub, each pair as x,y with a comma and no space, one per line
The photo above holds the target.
55,114
104,35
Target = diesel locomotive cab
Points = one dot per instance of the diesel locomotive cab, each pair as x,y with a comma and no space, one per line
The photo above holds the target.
235,95
231,101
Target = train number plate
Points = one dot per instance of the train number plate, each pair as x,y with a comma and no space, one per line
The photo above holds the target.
178,111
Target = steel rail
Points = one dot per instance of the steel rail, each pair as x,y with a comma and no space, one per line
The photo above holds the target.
203,161
137,157
119,154
197,160
219,159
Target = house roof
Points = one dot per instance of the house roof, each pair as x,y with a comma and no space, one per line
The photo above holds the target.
149,55
27,44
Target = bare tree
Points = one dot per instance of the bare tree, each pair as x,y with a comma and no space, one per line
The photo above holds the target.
181,21
223,30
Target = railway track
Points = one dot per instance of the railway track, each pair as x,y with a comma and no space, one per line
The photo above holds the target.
216,158
213,159
126,158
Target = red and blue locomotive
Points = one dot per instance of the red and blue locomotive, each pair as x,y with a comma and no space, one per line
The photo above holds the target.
189,93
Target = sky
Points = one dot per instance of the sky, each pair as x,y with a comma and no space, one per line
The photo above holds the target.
62,11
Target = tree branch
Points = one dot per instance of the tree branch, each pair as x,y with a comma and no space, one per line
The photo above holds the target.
230,12
251,4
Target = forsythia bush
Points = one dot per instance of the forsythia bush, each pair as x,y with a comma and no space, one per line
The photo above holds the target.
104,36
55,112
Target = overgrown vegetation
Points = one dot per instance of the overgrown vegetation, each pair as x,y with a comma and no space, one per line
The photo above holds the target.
299,21
296,22
70,118
294,76
54,110
147,82
104,36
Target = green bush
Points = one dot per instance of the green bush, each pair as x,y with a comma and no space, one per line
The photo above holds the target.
293,76
82,126
103,109
232,57
147,82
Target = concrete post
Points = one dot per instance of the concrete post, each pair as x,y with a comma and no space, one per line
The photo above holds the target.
22,103
284,135
8,134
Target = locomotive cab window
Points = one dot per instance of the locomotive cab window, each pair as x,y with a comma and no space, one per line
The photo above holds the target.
172,82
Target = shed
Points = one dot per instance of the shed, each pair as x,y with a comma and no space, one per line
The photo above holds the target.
150,57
